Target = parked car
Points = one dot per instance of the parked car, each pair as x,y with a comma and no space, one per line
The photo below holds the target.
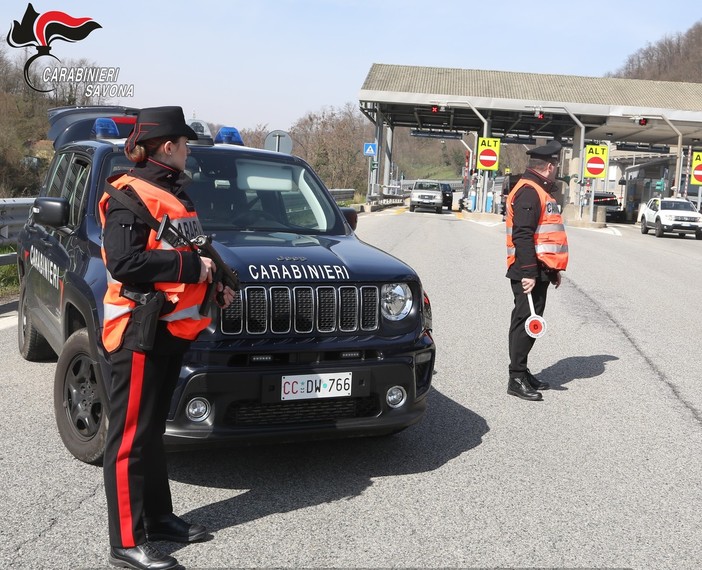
676,215
426,194
447,193
327,336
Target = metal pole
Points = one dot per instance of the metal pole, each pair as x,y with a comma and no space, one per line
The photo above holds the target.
483,200
678,158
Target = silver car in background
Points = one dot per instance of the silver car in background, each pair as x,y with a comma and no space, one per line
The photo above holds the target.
426,194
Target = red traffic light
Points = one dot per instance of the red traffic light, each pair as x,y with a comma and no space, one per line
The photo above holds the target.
643,121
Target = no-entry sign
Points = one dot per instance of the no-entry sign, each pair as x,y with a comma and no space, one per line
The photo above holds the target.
595,161
696,169
488,153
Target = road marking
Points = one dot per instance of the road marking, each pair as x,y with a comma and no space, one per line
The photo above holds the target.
607,230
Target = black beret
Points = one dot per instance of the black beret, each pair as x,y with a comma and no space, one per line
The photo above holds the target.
154,122
550,150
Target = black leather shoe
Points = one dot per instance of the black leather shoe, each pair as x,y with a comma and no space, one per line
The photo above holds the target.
142,557
520,387
173,528
535,383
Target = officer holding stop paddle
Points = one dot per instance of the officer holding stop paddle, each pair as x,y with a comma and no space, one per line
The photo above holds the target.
537,251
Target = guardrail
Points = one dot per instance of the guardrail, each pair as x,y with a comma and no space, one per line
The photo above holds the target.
342,194
13,215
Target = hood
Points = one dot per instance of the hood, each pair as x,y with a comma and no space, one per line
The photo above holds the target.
284,257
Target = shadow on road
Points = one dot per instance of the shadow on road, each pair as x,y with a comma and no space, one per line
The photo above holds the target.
284,478
8,305
575,368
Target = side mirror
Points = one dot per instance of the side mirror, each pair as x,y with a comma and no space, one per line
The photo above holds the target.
351,216
53,212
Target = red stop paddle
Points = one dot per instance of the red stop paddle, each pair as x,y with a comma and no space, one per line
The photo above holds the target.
535,325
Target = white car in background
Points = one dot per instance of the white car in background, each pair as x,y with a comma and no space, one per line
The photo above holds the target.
671,215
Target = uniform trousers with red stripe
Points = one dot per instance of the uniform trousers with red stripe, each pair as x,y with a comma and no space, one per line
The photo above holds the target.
520,343
135,471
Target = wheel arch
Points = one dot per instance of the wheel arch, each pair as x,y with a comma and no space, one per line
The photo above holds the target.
81,311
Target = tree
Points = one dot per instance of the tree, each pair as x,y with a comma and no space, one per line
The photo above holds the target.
332,142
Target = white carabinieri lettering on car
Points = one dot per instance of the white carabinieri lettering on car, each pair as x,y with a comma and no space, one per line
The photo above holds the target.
297,272
47,268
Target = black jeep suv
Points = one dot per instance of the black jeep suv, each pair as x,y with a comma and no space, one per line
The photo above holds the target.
327,337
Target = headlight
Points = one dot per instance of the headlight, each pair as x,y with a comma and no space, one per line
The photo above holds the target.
395,301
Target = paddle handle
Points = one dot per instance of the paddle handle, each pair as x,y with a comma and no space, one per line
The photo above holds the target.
531,304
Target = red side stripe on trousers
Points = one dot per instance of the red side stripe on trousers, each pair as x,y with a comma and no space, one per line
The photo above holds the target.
125,450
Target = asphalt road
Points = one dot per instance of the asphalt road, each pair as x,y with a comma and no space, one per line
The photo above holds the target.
604,473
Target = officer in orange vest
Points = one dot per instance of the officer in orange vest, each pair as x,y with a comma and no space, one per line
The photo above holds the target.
537,251
152,286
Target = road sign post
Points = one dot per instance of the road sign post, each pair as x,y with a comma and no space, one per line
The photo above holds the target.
487,158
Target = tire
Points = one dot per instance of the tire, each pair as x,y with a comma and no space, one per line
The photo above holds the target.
659,229
32,345
698,234
79,406
411,207
644,227
440,210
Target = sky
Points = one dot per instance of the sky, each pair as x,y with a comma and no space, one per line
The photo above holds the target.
268,63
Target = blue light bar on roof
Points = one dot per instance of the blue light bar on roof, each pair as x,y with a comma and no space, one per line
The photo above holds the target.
229,135
105,128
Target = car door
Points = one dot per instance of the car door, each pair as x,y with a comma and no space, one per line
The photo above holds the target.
49,258
655,207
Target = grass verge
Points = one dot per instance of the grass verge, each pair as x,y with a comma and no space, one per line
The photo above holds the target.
9,282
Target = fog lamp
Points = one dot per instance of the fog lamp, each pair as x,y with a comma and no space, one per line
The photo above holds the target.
198,410
396,396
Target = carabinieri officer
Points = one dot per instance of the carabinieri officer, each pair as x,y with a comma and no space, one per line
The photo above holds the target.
537,252
150,317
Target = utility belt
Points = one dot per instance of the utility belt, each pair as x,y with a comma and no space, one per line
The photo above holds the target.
150,306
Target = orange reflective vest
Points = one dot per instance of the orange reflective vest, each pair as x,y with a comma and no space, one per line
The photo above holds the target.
185,320
550,241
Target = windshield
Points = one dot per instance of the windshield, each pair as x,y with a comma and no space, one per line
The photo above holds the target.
426,186
237,191
675,205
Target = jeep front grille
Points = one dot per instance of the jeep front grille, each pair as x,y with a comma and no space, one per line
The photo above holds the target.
258,310
324,410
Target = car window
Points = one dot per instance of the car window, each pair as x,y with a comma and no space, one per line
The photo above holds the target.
236,192
75,187
677,205
57,175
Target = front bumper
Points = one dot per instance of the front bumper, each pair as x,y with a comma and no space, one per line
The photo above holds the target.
246,406
682,227
427,203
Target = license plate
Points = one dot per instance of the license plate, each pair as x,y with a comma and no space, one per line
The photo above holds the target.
312,386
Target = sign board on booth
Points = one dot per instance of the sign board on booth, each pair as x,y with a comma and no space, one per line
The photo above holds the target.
696,170
488,153
596,157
